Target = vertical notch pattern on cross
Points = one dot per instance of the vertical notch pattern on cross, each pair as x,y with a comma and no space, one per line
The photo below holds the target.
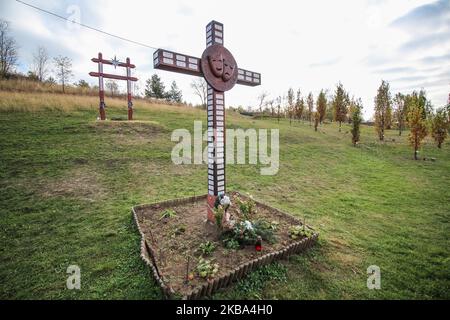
216,144
214,33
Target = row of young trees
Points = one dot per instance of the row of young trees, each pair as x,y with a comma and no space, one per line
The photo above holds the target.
339,107
412,110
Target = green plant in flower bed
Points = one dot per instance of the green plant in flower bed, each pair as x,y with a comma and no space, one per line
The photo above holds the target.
207,248
265,230
298,231
245,233
247,207
167,214
218,214
231,244
206,269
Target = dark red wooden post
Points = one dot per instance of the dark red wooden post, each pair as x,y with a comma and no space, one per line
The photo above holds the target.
130,103
101,89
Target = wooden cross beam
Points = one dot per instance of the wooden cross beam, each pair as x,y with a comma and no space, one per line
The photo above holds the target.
218,67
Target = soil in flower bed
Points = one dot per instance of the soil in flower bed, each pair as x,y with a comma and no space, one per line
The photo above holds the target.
175,239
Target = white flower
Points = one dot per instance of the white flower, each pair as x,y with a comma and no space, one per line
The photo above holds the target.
225,201
248,225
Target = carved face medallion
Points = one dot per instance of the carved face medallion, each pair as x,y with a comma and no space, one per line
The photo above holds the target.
228,70
216,65
219,68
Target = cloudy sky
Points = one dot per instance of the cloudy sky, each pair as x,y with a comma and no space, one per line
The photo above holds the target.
301,44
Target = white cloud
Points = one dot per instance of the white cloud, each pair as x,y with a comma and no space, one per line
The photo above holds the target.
308,45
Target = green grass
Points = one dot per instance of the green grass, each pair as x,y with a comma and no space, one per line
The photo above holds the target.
67,185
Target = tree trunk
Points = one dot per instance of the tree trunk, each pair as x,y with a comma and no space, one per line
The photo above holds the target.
415,147
339,126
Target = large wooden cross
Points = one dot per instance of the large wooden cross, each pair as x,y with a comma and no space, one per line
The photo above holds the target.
221,72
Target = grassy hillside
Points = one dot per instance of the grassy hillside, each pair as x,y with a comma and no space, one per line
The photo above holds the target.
67,183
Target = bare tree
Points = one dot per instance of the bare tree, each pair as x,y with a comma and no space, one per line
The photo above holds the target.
40,61
63,69
261,99
200,89
278,102
270,103
290,104
8,50
112,86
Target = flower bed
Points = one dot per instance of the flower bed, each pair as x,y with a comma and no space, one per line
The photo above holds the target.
190,258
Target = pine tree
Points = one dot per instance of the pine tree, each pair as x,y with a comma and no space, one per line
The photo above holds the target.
356,121
321,106
439,127
154,88
382,109
175,94
417,124
340,104
310,103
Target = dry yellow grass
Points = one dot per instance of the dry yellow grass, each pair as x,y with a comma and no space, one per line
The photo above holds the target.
32,96
34,101
24,85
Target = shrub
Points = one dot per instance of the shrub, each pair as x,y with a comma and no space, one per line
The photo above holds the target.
265,230
206,269
247,207
298,231
218,214
207,248
231,243
245,233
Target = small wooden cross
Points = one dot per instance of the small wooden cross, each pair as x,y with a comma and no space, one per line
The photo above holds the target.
218,67
101,75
